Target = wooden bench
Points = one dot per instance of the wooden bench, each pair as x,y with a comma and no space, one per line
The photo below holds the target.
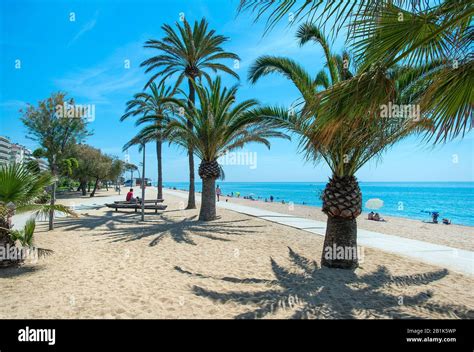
137,206
147,201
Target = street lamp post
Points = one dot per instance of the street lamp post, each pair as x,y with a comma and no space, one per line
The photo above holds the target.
143,184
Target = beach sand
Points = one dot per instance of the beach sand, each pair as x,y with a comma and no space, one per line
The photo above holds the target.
108,264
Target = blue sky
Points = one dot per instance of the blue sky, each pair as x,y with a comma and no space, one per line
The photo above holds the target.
86,58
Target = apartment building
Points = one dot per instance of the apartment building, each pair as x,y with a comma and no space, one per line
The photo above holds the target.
17,153
5,150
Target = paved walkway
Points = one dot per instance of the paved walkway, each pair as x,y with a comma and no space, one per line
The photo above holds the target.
451,258
86,203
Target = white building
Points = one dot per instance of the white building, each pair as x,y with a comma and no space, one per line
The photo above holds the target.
43,164
17,153
5,150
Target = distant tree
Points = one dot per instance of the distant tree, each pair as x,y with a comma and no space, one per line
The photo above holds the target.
131,167
84,155
56,132
100,169
117,168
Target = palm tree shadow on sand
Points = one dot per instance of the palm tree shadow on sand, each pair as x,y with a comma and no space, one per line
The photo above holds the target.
311,292
180,229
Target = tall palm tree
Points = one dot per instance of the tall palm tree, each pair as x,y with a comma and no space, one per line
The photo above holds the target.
188,53
440,35
153,111
347,149
213,127
21,190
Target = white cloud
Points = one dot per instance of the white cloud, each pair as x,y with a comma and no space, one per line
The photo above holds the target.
99,83
88,26
13,104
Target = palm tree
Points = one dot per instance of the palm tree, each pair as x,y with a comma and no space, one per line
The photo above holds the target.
21,190
153,109
214,127
343,147
188,53
131,167
439,43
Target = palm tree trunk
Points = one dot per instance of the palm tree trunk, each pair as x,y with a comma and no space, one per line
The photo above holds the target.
340,244
52,203
95,187
160,169
208,200
192,191
342,203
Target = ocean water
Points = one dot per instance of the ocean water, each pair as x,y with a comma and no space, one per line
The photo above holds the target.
453,200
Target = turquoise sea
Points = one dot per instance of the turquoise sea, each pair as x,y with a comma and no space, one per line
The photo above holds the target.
453,200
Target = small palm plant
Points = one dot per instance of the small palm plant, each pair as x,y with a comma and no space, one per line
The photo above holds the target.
153,111
20,191
217,125
25,237
344,146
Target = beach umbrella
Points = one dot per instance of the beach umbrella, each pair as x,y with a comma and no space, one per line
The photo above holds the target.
374,203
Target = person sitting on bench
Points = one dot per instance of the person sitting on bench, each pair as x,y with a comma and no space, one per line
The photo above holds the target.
130,198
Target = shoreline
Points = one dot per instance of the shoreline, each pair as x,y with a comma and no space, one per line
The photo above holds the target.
302,204
456,236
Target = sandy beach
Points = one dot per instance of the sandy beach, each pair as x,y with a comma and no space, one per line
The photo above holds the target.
108,264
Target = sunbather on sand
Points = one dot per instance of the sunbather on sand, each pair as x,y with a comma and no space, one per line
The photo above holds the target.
446,221
377,217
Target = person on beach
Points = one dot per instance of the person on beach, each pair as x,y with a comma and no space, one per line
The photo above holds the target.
218,192
130,198
271,199
371,216
377,217
446,221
